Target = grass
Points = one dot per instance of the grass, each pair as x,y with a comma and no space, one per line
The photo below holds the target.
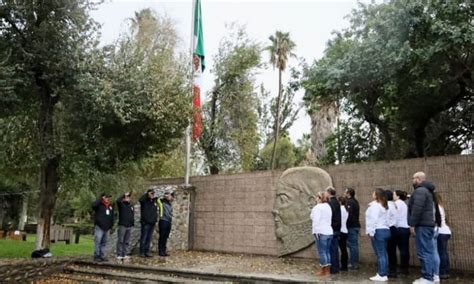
19,249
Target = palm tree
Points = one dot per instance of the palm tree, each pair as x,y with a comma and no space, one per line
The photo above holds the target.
280,51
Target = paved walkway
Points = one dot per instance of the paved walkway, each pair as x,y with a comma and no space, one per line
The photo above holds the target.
294,268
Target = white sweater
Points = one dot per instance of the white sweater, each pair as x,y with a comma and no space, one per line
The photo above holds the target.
392,214
376,217
444,229
402,214
344,216
321,215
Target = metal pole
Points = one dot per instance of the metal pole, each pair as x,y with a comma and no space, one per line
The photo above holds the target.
188,129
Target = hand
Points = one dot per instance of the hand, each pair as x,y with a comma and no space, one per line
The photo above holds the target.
412,231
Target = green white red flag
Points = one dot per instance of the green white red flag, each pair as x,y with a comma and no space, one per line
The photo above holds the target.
198,66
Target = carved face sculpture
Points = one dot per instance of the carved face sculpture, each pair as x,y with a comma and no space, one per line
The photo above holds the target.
294,200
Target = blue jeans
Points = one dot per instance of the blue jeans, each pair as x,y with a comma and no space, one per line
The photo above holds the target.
100,240
145,238
334,250
379,244
436,259
443,254
323,243
424,250
353,244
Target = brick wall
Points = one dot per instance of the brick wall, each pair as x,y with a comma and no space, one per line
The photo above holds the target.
233,213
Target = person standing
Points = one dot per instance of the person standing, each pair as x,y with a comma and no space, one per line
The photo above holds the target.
353,228
402,235
336,227
377,227
392,243
125,224
103,222
343,236
148,219
443,237
164,225
321,216
421,218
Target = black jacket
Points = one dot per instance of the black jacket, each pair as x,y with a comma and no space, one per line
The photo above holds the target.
101,218
336,214
148,210
353,209
421,209
126,214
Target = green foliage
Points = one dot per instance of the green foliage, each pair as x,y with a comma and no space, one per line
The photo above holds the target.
403,68
230,139
285,154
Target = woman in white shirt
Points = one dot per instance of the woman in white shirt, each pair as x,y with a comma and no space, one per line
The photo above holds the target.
391,245
442,243
321,215
377,227
402,236
344,232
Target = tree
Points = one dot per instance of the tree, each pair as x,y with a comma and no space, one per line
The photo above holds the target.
285,154
230,139
89,108
404,68
280,51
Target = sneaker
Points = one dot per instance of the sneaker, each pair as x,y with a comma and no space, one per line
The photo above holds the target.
422,281
436,279
379,278
119,257
126,257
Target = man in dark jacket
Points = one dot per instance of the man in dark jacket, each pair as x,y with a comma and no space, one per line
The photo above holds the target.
336,227
148,219
166,217
125,224
103,221
353,227
421,218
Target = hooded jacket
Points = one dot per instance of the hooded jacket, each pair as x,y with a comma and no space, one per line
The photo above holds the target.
126,213
421,207
104,215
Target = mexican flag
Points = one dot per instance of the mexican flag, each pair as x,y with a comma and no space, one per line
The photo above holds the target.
198,66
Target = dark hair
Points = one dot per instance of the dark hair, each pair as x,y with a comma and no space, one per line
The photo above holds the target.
351,192
440,204
381,197
388,195
437,211
331,190
343,201
401,194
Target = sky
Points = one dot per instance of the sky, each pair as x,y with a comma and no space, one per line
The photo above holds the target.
310,24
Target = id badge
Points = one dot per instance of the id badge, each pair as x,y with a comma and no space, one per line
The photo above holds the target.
107,212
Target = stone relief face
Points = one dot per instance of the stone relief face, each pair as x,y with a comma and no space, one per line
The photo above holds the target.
293,203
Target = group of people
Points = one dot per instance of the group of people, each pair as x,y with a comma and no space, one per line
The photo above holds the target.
152,210
389,222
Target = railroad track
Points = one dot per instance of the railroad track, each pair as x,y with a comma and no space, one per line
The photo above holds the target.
146,274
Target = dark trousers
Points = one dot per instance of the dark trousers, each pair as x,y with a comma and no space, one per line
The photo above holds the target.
123,240
334,250
392,252
145,238
165,229
443,254
402,239
343,248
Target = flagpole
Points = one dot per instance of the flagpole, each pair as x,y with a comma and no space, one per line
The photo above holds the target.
188,129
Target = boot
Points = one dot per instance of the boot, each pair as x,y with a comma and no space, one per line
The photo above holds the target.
328,271
321,272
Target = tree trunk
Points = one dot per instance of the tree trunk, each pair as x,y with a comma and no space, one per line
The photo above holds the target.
49,176
211,157
23,213
277,120
322,125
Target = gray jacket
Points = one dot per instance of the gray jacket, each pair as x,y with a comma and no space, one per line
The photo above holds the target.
421,210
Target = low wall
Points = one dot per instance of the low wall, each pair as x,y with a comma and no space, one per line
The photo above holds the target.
233,213
31,269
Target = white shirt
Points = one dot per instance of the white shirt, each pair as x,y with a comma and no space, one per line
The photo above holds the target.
401,215
392,214
376,217
344,216
444,229
321,215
